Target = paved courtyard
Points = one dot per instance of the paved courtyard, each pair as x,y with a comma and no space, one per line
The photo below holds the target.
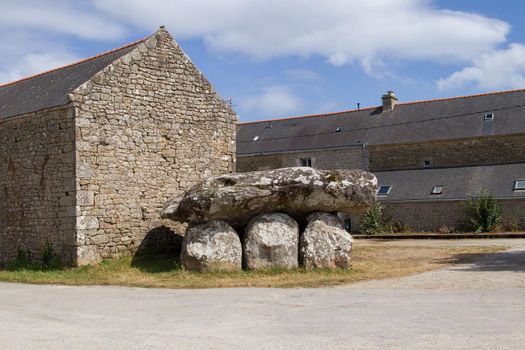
475,306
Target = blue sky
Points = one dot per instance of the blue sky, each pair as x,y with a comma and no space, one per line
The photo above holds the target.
277,58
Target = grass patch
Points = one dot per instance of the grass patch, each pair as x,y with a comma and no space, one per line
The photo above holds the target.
369,262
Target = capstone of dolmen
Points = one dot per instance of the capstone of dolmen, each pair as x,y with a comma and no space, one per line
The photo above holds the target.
236,198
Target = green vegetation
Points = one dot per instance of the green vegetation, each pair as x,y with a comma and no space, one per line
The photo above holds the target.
374,221
368,262
48,261
484,212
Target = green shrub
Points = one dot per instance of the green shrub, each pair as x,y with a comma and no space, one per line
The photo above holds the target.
374,221
50,261
23,261
398,226
483,211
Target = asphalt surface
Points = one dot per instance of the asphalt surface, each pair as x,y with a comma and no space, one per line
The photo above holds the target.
475,306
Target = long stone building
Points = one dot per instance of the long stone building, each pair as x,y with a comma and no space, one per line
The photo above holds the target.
90,152
428,156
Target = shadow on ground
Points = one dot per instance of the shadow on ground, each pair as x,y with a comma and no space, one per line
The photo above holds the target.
159,251
513,261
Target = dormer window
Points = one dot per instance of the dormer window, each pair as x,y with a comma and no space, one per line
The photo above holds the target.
489,116
438,189
384,190
519,185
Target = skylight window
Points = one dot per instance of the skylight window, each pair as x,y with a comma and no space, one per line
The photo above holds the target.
438,189
427,163
256,138
384,190
519,185
489,116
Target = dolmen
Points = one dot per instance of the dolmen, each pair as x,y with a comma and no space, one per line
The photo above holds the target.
282,218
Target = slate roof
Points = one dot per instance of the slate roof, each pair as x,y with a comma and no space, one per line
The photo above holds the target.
458,182
51,88
458,117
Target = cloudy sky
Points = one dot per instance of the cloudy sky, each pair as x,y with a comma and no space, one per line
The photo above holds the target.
278,58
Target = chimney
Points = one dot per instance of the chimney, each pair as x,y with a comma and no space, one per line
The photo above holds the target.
389,101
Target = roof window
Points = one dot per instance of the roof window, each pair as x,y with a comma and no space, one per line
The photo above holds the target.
438,189
519,185
384,190
489,116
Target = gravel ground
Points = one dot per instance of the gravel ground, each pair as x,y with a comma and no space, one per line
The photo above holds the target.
475,306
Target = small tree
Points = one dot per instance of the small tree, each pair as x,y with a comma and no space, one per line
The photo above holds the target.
373,221
483,211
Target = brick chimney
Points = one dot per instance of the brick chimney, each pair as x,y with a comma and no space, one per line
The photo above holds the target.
389,101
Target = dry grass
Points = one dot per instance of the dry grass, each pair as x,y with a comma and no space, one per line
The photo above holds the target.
369,262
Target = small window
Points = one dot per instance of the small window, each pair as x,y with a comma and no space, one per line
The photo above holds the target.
489,116
437,189
256,138
427,163
306,162
338,129
519,185
384,190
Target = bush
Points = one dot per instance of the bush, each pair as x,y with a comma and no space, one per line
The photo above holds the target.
397,226
50,261
484,212
374,221
23,261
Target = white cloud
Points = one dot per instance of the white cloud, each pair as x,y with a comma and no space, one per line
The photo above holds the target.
36,34
58,16
342,31
274,100
501,69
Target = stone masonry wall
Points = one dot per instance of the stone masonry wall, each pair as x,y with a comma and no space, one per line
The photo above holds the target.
148,127
448,153
37,183
344,158
431,215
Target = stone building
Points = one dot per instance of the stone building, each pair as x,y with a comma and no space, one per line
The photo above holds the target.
429,156
90,152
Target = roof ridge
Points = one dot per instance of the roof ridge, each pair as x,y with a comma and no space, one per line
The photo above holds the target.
74,63
374,107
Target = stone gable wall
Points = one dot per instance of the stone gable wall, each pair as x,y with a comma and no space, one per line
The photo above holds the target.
344,158
37,184
449,153
148,127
